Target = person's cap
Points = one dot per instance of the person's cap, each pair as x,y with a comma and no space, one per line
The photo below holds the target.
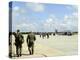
18,30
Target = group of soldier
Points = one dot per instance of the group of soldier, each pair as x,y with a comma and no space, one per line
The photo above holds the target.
19,40
46,34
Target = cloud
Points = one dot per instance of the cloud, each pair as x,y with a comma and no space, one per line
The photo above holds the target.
71,7
75,14
37,7
49,24
26,27
16,8
49,20
69,23
17,11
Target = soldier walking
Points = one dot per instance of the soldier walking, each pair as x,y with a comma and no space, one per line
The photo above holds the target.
47,35
18,43
30,42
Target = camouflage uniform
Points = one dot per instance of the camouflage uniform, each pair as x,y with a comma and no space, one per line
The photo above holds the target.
18,44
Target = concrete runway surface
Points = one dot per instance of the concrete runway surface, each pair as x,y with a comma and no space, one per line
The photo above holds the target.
58,45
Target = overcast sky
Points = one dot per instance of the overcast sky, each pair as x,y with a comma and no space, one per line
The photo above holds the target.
41,17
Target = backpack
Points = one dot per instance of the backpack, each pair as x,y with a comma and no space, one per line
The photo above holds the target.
19,38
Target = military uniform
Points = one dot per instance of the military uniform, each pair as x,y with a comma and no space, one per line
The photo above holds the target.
18,43
30,42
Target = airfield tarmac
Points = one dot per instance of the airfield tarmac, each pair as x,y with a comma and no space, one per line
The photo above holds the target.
58,45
